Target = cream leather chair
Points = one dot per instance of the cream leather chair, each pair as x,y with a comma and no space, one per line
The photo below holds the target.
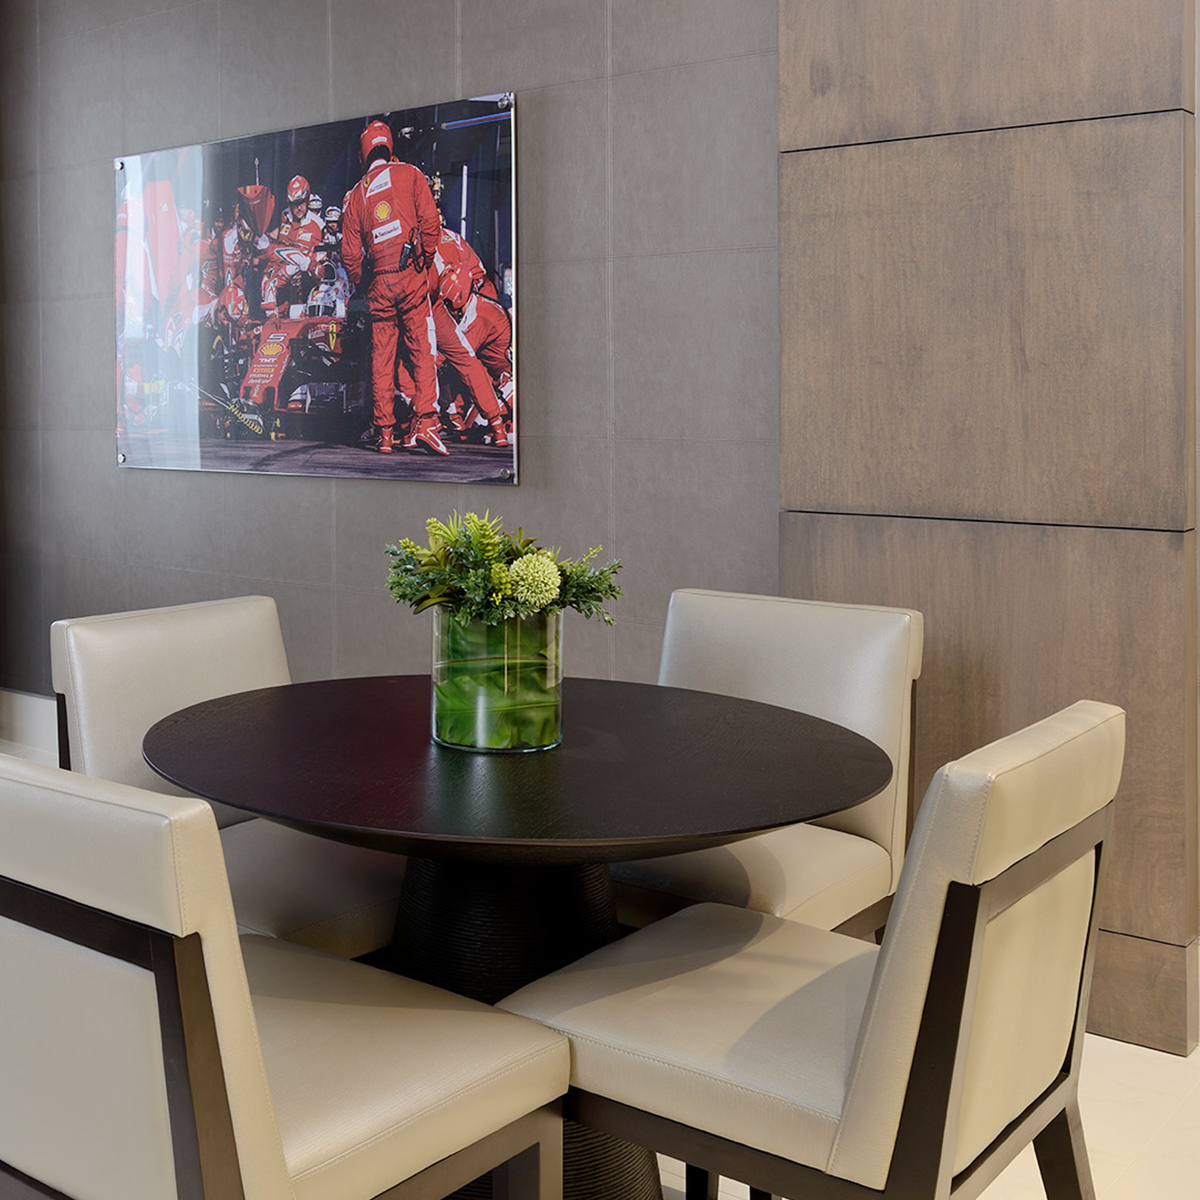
852,664
146,1054
117,674
807,1063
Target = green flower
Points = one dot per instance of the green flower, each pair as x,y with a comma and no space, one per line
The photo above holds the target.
535,580
483,534
475,569
501,582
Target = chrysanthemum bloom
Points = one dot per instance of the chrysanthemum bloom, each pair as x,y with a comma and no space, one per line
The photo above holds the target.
535,579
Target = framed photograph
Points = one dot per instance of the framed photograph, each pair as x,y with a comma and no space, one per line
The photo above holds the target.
333,300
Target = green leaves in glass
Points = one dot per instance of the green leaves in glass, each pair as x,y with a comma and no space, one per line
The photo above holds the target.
497,687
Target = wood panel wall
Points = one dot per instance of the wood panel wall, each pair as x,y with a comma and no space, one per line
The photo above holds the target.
988,340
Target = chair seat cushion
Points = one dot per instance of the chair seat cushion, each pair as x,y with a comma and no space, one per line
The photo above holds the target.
324,894
745,1024
415,1074
804,872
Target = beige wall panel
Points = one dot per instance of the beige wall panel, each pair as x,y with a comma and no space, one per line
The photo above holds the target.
1144,992
861,71
994,326
1021,620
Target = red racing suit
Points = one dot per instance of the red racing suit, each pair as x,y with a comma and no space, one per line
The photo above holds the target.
291,253
486,325
389,208
453,252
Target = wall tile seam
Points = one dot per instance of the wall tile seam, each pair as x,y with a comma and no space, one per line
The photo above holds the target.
128,152
561,85
92,30
331,100
41,381
889,516
729,248
696,62
56,296
604,76
357,589
569,259
600,439
610,356
53,427
925,137
251,584
676,439
458,39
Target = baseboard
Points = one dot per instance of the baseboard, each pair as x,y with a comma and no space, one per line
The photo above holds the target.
1145,992
28,726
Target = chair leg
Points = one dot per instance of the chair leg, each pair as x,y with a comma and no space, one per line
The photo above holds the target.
699,1184
1062,1157
534,1174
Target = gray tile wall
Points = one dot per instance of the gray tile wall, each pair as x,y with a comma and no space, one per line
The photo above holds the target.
648,308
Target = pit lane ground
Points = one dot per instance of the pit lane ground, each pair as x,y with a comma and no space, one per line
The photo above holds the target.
467,462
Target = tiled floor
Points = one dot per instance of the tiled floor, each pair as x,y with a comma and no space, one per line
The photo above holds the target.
1141,1119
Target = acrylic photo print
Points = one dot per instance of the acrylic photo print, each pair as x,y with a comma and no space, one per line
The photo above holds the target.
333,300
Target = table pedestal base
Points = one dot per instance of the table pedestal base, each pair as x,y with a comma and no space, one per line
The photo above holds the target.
484,930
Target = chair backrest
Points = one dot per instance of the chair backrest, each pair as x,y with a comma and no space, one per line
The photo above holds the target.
116,933
849,663
1010,835
119,673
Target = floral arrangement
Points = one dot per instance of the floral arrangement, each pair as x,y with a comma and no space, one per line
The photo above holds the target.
479,572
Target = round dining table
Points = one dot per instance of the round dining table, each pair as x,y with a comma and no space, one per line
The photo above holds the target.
507,874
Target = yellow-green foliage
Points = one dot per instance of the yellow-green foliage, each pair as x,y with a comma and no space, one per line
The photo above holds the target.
479,571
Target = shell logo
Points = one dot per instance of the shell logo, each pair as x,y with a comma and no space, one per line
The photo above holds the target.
383,210
271,350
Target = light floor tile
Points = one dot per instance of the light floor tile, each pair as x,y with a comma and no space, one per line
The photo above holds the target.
1020,1181
1158,1176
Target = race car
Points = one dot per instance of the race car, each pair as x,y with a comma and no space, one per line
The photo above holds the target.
289,376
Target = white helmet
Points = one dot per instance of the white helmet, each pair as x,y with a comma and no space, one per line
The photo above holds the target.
322,301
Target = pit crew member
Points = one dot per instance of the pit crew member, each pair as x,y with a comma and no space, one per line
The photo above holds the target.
390,228
487,328
456,269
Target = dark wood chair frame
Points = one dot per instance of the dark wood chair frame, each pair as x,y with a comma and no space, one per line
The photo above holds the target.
525,1157
922,1161
64,737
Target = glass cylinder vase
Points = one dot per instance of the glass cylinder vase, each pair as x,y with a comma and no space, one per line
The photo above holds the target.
497,687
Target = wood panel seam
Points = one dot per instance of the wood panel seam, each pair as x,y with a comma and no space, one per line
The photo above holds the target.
905,516
1137,937
953,133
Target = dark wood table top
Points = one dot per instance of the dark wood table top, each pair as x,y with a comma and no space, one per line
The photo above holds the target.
642,770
